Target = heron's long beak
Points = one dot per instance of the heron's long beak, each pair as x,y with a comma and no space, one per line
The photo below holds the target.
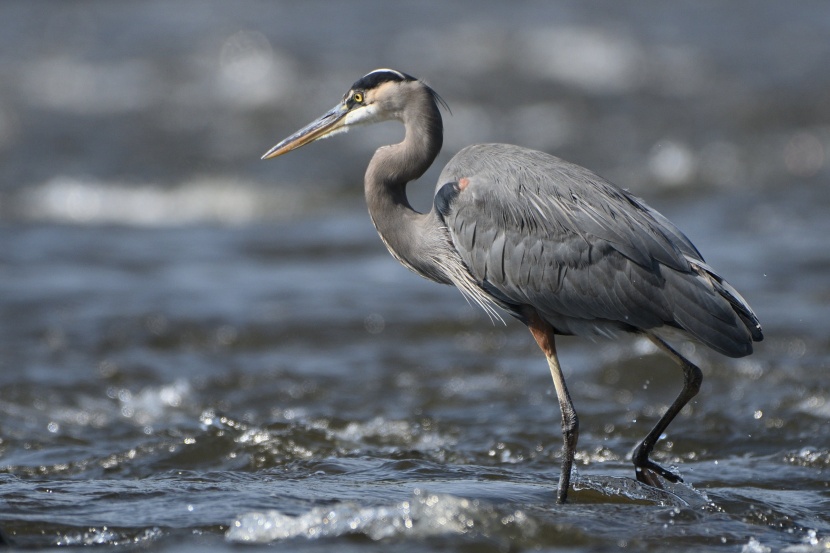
330,123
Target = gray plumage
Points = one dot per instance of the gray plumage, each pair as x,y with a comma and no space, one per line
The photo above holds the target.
549,242
591,258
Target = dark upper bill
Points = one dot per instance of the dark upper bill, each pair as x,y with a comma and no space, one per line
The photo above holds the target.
331,122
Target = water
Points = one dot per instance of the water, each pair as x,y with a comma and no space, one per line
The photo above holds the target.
200,349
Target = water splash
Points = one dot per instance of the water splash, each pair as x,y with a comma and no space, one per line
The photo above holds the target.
674,495
107,536
754,546
425,514
153,403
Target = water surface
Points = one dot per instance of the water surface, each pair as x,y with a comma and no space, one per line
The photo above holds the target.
201,349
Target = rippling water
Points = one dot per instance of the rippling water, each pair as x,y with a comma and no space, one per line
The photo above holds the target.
199,349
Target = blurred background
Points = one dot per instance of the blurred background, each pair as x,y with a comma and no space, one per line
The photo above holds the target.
153,271
155,113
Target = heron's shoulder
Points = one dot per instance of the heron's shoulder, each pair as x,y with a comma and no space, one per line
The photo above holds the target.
483,157
513,189
506,170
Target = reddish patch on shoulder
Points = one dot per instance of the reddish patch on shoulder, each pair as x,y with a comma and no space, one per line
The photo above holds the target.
463,182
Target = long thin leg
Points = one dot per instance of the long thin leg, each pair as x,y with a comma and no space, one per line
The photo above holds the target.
692,377
544,335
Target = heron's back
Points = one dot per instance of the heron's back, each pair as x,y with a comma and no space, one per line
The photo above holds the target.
592,259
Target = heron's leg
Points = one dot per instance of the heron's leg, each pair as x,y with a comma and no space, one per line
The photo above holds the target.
544,335
692,377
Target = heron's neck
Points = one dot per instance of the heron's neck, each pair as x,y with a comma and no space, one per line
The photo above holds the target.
404,230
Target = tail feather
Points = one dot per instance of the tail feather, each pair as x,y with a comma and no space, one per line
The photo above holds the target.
710,309
738,303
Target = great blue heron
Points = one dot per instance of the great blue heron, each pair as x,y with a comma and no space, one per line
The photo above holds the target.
547,241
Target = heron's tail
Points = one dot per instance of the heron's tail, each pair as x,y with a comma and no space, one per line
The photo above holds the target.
722,320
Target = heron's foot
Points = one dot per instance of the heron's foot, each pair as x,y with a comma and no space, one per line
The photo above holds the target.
648,471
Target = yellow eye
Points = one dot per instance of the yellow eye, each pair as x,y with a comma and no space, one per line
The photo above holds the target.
358,97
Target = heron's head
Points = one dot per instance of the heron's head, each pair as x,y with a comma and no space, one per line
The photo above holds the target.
378,96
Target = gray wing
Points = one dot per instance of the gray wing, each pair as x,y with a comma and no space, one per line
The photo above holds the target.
589,257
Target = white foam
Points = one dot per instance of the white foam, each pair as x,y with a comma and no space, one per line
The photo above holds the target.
155,402
754,546
810,543
205,200
106,536
392,432
424,515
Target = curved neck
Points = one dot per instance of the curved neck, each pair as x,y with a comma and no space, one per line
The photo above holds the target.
392,167
402,229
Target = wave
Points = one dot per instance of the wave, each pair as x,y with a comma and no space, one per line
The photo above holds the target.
71,200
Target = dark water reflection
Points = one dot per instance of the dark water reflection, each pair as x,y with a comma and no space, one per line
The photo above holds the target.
194,342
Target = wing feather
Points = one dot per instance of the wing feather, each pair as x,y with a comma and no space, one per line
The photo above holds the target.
591,258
